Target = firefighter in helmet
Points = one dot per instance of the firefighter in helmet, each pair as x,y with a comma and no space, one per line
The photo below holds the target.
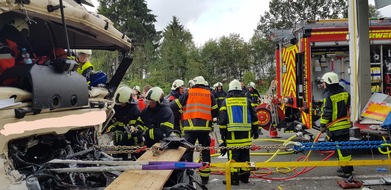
253,94
335,117
124,122
238,124
85,68
219,94
157,118
199,107
177,89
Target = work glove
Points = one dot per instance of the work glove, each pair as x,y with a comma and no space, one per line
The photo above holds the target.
121,137
223,151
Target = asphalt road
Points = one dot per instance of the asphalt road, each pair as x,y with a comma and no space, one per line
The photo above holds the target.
323,178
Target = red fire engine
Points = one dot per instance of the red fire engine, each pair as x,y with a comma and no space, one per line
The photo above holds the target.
304,54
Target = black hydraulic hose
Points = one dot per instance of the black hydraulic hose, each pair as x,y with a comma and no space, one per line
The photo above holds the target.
65,28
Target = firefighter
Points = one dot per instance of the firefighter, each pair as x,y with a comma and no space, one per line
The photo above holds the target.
157,118
199,107
244,89
191,83
253,94
85,67
177,89
335,117
238,124
124,122
219,94
140,99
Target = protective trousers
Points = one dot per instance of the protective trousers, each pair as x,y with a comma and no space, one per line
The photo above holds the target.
204,140
344,154
240,155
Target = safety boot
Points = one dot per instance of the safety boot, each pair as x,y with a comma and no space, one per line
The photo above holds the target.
234,179
243,177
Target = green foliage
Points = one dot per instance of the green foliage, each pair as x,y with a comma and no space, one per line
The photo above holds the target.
104,60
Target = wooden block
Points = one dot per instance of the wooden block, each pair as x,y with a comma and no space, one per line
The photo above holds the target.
147,179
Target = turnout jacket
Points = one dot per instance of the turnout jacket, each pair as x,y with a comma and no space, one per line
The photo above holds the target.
336,105
199,107
237,119
157,122
220,96
254,97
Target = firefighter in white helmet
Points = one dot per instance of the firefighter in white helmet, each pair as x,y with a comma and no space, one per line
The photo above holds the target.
140,99
335,117
253,94
157,118
85,68
124,122
199,107
238,123
219,93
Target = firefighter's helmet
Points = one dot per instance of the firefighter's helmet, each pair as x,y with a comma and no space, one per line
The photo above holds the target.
234,85
215,86
330,78
191,83
206,83
177,83
251,84
199,80
155,94
84,51
219,84
124,95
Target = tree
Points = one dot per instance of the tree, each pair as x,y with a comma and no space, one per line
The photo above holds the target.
175,49
136,21
283,14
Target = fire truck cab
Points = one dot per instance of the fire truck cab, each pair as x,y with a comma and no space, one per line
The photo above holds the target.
311,49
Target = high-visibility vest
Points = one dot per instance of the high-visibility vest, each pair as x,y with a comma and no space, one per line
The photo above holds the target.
239,117
84,67
198,105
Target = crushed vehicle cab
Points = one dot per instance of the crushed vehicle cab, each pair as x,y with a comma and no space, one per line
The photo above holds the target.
47,109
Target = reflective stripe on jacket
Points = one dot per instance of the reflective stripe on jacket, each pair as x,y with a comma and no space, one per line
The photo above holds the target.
84,67
239,117
335,106
198,105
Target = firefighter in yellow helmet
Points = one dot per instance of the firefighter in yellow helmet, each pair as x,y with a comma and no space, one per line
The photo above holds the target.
157,117
85,68
238,123
335,118
199,107
124,122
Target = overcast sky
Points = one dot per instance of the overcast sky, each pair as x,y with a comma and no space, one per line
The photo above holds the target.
211,19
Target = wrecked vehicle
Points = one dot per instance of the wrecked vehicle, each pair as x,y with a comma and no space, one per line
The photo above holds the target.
47,110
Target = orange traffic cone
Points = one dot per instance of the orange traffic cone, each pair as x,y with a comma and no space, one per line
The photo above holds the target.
273,133
212,144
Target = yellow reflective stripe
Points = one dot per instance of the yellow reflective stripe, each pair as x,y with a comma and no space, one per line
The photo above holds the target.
196,128
254,104
110,128
343,158
168,124
340,125
215,107
223,108
119,124
324,121
178,103
132,122
144,128
254,123
238,127
140,120
335,99
151,135
220,98
222,126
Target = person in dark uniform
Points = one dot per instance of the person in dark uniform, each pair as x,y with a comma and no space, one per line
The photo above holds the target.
157,118
335,118
238,124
